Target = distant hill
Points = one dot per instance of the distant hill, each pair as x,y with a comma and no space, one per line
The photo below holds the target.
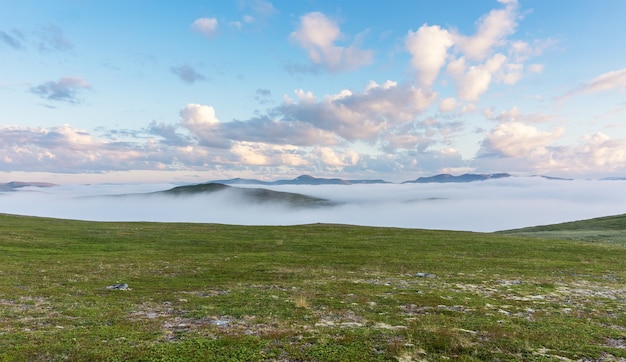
11,186
608,229
468,177
300,180
254,195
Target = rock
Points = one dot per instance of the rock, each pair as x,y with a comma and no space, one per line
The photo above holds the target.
121,286
424,275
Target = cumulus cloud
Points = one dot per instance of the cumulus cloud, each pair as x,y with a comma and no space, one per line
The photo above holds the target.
473,81
66,89
516,147
263,154
205,26
360,116
594,152
492,31
447,105
428,47
281,132
187,74
318,35
201,121
516,139
474,61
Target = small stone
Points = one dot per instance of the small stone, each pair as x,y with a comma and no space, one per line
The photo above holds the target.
121,286
424,275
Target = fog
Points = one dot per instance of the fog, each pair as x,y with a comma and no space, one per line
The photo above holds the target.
477,206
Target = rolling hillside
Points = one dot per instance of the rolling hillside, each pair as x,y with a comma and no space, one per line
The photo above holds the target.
607,229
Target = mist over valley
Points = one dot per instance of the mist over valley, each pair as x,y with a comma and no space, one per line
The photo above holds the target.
491,205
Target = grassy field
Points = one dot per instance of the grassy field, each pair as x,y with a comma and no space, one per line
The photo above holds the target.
603,229
303,293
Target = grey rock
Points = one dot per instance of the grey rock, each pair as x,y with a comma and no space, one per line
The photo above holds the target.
121,286
424,275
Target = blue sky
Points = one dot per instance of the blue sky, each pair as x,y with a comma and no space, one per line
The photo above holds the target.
179,91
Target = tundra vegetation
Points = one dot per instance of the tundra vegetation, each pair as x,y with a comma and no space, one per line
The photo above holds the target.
307,293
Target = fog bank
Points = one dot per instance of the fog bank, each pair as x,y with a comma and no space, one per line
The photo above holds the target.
477,206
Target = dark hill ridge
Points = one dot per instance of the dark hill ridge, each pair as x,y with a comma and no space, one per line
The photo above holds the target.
11,186
468,177
255,195
300,180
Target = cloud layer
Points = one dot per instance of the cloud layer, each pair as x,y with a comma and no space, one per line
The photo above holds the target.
480,206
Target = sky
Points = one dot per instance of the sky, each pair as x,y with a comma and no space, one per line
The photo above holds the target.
163,91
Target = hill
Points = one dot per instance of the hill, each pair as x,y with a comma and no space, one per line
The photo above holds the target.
13,185
300,180
109,291
253,195
468,177
608,229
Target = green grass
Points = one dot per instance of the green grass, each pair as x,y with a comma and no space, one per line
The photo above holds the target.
603,229
303,293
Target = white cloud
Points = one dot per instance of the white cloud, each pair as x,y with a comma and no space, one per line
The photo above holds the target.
536,68
334,158
607,81
595,152
201,121
492,31
263,154
205,26
428,47
515,139
473,81
447,105
318,34
360,116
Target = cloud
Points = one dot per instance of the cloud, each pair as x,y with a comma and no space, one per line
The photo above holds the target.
516,147
168,133
604,82
492,31
360,116
473,81
280,132
261,7
14,40
317,34
428,47
263,96
201,121
263,154
515,139
447,105
481,207
187,74
205,26
515,115
474,62
66,89
52,39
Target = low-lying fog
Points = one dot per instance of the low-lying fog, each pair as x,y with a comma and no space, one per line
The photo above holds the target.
477,206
